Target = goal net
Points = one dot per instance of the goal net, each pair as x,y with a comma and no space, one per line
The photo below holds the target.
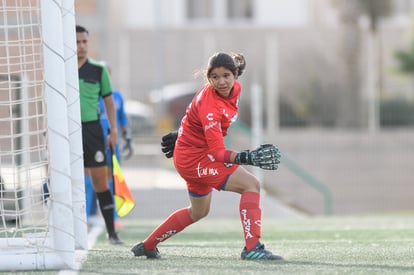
42,202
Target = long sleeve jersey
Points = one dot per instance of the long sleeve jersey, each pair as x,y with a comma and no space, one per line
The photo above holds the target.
207,119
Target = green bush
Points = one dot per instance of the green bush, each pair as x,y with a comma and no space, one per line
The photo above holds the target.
396,113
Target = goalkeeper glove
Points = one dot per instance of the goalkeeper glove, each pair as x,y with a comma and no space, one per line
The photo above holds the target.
127,150
168,144
266,156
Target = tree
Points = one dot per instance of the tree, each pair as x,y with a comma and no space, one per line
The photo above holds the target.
352,109
374,9
349,50
406,59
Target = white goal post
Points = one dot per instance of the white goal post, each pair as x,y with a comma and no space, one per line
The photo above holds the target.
42,199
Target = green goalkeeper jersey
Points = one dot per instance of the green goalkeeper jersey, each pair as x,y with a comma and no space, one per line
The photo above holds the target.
93,82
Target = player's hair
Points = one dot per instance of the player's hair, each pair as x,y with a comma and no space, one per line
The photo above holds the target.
234,62
81,29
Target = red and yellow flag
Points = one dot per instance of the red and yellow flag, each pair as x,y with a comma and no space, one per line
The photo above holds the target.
124,201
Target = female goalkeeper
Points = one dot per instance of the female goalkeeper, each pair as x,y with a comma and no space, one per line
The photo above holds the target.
202,160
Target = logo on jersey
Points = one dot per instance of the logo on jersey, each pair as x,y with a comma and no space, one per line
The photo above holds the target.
211,157
226,114
210,125
234,118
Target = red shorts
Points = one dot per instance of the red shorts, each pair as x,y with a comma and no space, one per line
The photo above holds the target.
200,171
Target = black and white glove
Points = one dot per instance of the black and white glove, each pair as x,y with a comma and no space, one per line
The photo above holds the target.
266,156
127,150
168,144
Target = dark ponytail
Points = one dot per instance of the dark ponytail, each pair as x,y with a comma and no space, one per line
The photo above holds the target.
239,62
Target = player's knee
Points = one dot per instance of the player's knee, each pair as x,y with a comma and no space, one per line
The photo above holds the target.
198,215
256,185
252,185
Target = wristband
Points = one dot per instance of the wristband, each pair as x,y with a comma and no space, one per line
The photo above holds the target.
243,157
227,156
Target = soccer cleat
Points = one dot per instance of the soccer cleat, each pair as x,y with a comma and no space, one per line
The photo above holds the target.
139,250
114,239
259,253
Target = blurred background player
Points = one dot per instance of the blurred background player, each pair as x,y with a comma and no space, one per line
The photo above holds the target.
94,82
127,151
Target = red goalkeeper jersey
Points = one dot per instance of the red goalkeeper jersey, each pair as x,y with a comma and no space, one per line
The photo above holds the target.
207,119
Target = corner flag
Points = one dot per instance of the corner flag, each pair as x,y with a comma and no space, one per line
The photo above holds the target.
124,201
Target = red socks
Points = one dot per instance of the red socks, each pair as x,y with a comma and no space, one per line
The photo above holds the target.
251,215
175,223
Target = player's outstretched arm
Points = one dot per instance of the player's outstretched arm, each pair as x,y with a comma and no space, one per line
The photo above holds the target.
266,156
